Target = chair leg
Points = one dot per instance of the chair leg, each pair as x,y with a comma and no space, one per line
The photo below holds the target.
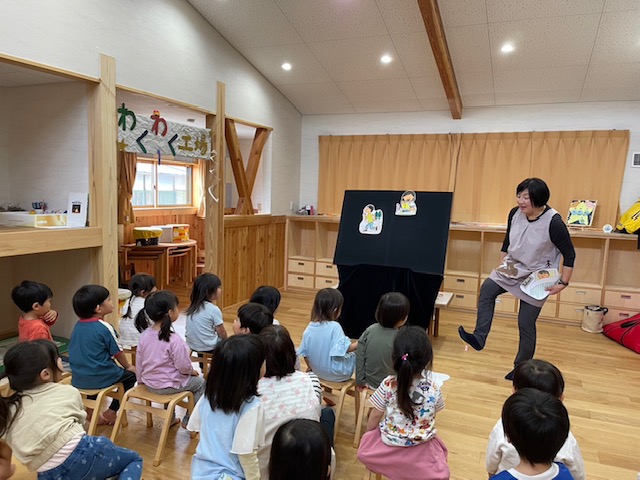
93,425
360,418
122,414
343,392
149,416
165,432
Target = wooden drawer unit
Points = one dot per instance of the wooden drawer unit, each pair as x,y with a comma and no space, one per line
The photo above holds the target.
581,296
549,309
460,283
326,270
325,282
300,280
615,315
622,300
505,304
302,266
464,300
574,313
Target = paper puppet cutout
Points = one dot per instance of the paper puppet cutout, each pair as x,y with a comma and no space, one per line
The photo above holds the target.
508,269
407,206
371,223
581,212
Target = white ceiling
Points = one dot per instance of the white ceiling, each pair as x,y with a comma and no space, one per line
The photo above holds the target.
565,51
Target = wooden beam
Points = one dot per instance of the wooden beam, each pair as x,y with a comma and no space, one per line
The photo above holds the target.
259,141
237,165
435,30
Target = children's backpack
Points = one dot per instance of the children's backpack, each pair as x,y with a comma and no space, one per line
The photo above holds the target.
625,332
630,221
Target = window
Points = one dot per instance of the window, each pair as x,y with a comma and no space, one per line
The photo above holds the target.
161,185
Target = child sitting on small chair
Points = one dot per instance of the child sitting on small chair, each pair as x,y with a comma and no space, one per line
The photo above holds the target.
537,424
93,347
34,299
252,318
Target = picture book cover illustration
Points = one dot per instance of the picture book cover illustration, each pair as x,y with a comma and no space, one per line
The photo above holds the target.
407,206
536,284
371,223
581,212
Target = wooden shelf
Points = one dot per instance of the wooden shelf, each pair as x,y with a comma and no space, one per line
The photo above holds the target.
24,240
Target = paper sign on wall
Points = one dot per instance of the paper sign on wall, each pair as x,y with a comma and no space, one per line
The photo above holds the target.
77,209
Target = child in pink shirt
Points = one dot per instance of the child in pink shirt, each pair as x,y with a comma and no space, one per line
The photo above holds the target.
163,357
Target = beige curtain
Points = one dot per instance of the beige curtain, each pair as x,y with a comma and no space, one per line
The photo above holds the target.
482,169
126,178
381,162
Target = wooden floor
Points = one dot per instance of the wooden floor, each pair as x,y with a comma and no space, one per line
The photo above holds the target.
602,395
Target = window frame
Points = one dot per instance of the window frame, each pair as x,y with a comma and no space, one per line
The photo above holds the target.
195,171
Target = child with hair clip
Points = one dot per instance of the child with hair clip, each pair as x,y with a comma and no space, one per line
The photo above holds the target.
501,454
93,348
34,299
42,421
163,357
537,424
204,326
229,416
301,449
401,428
140,285
326,349
252,318
373,356
269,297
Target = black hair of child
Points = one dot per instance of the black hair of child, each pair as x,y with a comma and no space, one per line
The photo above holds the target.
268,296
412,353
327,302
301,449
156,307
279,351
539,374
140,283
392,308
235,371
255,317
28,293
87,299
23,363
204,286
536,423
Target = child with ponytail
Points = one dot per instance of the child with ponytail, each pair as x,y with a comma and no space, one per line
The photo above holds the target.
42,421
163,357
401,426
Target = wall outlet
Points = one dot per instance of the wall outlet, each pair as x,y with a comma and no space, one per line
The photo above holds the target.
291,206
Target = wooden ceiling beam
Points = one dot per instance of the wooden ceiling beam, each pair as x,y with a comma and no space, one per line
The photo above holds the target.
435,31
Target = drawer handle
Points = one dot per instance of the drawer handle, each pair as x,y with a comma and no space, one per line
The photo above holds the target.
581,292
579,310
300,263
459,296
625,297
460,280
498,300
328,266
300,278
624,315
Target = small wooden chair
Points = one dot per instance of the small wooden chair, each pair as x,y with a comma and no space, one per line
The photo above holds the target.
364,407
200,261
166,411
204,360
131,351
373,475
114,391
346,387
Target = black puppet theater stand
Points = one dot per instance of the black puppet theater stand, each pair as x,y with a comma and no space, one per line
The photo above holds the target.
406,256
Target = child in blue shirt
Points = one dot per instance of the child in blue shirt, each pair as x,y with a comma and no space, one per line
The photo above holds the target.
537,424
329,353
93,348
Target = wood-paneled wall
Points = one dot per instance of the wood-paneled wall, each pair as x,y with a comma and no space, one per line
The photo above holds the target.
254,249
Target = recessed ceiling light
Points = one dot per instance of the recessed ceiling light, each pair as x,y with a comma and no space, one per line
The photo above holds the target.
507,48
286,66
386,59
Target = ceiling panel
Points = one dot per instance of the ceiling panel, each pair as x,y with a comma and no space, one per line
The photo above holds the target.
618,38
509,10
358,58
569,78
401,16
525,98
415,54
305,65
378,95
317,98
462,12
606,83
430,93
320,20
469,48
617,5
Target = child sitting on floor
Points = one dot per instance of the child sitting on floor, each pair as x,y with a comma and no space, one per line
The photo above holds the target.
34,299
252,318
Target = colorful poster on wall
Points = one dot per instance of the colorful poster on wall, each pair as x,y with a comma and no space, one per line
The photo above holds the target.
155,135
581,212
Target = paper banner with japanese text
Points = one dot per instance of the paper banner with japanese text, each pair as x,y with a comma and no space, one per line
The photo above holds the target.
155,135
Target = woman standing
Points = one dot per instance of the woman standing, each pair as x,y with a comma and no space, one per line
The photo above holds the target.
536,238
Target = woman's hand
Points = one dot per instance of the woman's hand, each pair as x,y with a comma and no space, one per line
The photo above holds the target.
555,289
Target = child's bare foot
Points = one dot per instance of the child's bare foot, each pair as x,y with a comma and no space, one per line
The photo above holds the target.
329,402
108,417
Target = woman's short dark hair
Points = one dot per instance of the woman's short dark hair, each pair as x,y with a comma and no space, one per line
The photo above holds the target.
280,352
301,449
87,299
536,423
28,293
235,371
538,374
267,296
538,191
393,307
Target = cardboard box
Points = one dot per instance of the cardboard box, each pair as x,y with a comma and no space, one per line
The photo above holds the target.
174,233
26,219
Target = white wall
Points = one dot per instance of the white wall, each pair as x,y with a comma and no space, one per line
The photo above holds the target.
4,149
583,116
163,47
48,144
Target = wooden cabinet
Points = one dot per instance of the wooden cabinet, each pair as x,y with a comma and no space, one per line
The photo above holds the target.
605,273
